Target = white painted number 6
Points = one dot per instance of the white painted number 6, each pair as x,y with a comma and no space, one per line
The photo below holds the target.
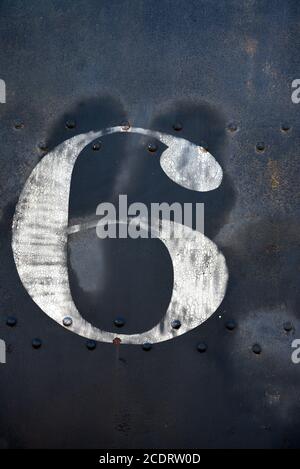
40,239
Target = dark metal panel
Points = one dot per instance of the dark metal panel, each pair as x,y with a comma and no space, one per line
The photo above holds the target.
223,70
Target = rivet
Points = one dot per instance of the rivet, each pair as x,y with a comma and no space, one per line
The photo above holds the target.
152,147
285,127
125,125
119,322
288,326
204,145
256,348
19,125
67,321
96,146
260,147
70,124
201,347
147,346
36,343
42,146
232,127
91,344
272,248
177,126
230,325
11,321
176,324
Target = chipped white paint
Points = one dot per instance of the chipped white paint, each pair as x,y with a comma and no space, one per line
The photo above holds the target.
187,164
40,234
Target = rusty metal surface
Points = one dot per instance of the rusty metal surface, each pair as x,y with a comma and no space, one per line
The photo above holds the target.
224,71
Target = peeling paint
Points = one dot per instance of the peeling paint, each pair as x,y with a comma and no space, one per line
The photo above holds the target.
40,236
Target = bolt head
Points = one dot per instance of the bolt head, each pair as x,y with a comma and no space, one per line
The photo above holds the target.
285,127
260,147
232,127
70,124
204,145
96,146
125,125
119,322
67,321
177,126
42,146
36,343
176,324
152,147
11,321
19,125
256,348
147,346
230,325
201,347
91,344
288,326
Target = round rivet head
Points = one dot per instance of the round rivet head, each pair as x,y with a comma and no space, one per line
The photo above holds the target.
260,147
125,125
285,127
256,348
230,325
42,146
147,346
19,125
288,326
91,344
119,322
176,324
177,126
36,343
11,321
70,124
201,347
152,147
232,127
204,145
67,321
96,146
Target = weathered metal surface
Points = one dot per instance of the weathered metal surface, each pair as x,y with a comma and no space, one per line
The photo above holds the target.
217,74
